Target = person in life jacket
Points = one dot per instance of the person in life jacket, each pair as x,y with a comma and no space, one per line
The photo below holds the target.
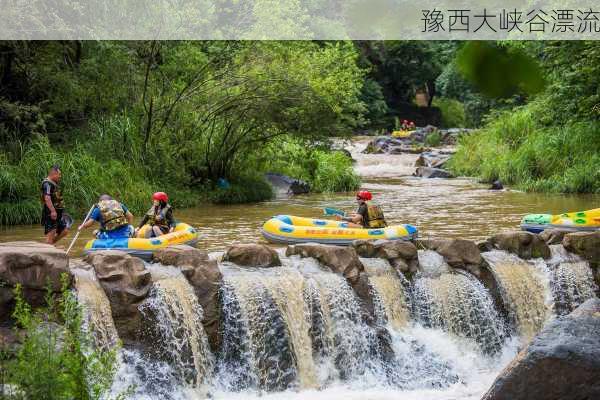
368,215
55,227
114,219
159,217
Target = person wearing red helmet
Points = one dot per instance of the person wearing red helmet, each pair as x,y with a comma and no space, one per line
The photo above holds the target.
159,216
368,215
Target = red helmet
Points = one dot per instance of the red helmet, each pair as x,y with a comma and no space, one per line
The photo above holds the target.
160,196
364,195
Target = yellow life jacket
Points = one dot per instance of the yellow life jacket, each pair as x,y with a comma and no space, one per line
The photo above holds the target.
159,218
375,216
113,215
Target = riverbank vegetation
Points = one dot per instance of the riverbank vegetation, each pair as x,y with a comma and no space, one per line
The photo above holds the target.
551,142
129,118
56,357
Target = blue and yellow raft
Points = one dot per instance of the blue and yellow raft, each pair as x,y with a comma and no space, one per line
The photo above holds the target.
143,248
289,229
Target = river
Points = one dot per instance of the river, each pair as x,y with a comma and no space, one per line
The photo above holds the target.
440,208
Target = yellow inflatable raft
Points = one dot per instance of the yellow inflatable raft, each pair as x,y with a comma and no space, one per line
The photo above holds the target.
577,221
143,248
290,229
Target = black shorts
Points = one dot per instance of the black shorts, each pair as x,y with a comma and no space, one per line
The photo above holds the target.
50,224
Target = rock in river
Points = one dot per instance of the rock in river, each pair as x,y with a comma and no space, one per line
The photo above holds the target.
126,283
428,172
341,260
561,362
287,185
524,244
252,255
34,266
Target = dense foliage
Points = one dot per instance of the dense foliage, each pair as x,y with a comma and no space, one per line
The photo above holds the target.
552,143
129,118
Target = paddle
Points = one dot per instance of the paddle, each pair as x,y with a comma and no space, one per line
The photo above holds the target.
78,230
333,211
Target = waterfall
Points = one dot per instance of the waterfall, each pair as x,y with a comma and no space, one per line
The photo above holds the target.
174,326
96,307
266,318
392,304
432,263
524,289
458,303
572,281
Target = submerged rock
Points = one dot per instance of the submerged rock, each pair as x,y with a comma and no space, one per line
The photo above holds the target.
429,172
286,184
401,255
252,255
34,266
561,362
341,260
126,283
524,244
496,185
585,244
458,253
205,277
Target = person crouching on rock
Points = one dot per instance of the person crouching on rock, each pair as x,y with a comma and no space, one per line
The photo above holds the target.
368,215
114,219
159,218
55,227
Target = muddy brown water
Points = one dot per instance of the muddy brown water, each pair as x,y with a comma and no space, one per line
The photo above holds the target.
440,208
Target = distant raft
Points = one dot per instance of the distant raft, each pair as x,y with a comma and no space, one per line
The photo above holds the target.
576,221
143,248
289,229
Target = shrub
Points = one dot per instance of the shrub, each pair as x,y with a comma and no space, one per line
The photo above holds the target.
453,112
57,359
433,139
247,189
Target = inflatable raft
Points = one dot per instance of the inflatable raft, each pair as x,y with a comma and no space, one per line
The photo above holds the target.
289,229
143,248
576,221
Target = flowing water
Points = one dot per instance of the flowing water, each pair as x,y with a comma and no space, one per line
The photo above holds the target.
442,208
301,332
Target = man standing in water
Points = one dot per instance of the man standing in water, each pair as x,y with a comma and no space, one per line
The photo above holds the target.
368,216
53,207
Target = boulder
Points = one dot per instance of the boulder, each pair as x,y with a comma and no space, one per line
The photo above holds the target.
285,184
586,244
340,260
429,172
432,159
402,255
252,255
524,244
204,275
458,253
561,362
34,266
553,236
126,283
496,185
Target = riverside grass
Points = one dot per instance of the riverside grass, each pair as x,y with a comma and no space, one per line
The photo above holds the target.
518,149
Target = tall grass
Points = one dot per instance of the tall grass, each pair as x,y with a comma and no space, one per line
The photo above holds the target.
517,149
86,175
